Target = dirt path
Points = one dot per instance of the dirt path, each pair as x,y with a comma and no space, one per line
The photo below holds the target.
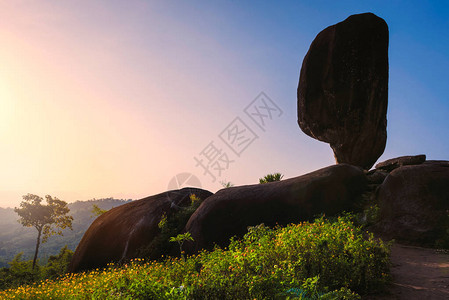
418,273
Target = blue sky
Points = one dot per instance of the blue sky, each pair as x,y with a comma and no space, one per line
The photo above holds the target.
115,98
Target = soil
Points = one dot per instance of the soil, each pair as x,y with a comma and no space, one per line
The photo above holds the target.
417,273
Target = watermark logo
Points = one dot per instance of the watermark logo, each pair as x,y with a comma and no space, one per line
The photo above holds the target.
183,180
238,136
213,161
262,110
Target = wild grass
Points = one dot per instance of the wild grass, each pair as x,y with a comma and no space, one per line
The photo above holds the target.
326,259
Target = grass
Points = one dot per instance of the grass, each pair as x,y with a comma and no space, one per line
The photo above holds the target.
326,259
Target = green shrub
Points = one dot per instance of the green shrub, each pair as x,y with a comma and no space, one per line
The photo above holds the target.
180,239
57,264
226,184
270,178
21,272
320,260
170,225
285,257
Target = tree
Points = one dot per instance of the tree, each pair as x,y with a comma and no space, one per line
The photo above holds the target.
97,211
270,178
42,217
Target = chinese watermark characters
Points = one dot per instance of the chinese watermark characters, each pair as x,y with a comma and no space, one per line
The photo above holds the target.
237,137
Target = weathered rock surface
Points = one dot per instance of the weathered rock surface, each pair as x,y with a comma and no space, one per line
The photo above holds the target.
119,233
414,203
391,164
343,89
230,211
376,176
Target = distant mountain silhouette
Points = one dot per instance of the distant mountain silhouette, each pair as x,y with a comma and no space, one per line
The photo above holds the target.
15,238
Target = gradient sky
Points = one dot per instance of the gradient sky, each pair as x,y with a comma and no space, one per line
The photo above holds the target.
115,98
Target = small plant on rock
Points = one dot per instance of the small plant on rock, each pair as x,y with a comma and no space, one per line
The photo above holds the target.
271,177
180,239
226,184
170,225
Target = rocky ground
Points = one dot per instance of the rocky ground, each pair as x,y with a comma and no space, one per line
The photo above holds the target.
418,273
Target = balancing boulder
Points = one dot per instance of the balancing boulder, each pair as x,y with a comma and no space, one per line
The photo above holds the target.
343,89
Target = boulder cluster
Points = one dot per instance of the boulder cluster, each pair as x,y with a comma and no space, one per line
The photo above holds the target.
230,211
119,234
413,198
342,100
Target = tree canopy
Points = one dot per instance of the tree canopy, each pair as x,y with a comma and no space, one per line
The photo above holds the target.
48,219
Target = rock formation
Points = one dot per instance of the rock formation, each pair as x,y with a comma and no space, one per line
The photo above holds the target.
343,89
342,100
391,164
119,233
230,211
414,203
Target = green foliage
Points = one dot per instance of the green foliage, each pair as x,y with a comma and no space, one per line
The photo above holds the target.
367,210
163,221
371,214
14,237
170,225
57,264
270,178
194,200
19,273
309,290
22,272
48,219
320,260
180,239
33,214
97,211
226,184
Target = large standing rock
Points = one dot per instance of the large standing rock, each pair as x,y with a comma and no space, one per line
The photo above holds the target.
230,211
414,203
119,233
343,89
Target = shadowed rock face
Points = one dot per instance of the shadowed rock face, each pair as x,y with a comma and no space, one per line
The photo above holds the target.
414,203
119,233
343,89
230,211
391,164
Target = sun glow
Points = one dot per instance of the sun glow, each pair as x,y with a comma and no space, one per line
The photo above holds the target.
7,108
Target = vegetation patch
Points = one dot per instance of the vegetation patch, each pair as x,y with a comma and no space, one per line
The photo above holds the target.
271,178
326,259
170,226
21,272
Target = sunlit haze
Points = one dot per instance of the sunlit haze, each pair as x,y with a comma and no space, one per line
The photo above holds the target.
114,98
